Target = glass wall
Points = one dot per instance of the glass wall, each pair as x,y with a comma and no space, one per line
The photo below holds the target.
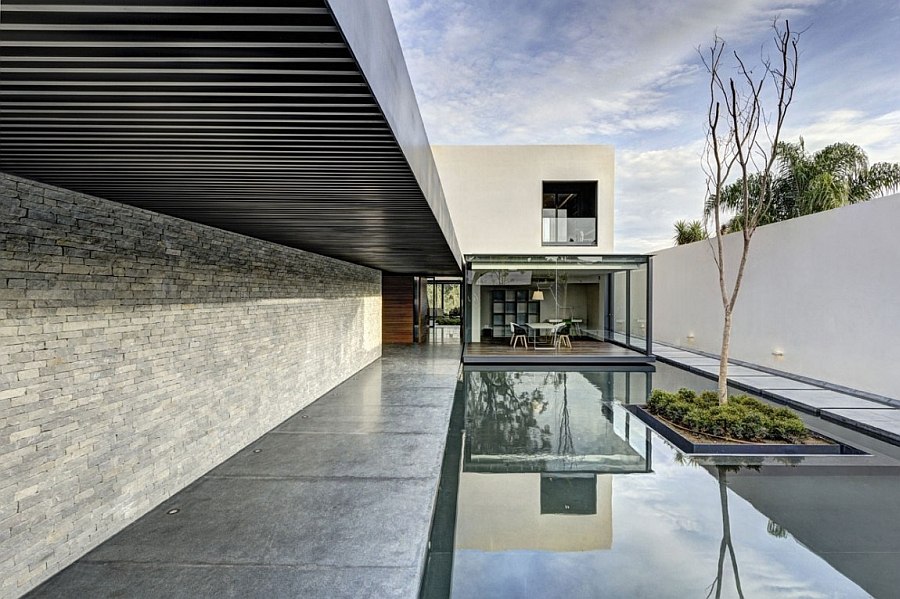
583,298
637,312
444,302
630,313
619,316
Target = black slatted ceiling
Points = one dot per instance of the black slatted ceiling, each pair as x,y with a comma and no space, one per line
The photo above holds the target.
248,116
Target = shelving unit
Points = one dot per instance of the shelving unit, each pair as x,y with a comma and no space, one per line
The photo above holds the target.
512,305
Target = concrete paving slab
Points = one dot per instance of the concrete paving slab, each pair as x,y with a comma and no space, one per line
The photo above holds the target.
818,399
414,380
884,422
410,396
338,502
178,581
733,371
339,455
368,418
698,361
326,522
768,382
676,353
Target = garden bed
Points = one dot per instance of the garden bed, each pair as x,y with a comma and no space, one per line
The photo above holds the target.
696,423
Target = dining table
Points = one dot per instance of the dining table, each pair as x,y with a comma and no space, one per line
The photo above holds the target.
540,329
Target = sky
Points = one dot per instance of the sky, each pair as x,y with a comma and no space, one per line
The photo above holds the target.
628,73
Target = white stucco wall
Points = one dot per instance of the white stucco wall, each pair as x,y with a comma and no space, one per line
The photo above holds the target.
495,194
823,289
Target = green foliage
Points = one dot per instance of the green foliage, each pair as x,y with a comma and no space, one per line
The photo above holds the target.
743,417
689,232
449,320
835,176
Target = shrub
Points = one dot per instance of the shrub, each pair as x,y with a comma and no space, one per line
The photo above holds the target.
743,417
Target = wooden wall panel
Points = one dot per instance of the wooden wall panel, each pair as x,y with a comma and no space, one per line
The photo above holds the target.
397,317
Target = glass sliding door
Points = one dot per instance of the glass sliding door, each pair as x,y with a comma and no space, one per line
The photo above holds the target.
444,302
558,301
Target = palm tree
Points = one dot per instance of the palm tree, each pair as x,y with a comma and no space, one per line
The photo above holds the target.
804,183
689,232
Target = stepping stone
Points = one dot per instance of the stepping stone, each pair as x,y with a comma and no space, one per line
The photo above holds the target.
884,422
823,399
733,371
767,383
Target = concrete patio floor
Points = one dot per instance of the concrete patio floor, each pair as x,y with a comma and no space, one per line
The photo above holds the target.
336,501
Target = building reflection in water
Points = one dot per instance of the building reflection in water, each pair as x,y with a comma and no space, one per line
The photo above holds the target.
540,450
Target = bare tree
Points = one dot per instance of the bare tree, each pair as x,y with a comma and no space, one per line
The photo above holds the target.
745,118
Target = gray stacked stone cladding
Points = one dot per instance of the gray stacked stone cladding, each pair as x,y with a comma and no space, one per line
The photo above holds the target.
137,351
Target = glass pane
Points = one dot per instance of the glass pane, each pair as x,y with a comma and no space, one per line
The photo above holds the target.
619,311
639,308
451,299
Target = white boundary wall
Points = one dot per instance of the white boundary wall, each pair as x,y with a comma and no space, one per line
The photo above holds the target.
823,289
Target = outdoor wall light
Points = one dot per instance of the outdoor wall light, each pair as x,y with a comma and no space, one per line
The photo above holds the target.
690,336
778,353
537,296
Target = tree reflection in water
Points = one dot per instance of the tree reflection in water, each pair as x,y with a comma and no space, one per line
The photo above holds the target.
502,410
721,475
565,444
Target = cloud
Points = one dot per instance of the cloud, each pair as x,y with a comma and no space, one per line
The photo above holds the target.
878,135
654,189
627,74
575,71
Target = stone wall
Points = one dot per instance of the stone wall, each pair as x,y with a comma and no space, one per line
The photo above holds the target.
137,351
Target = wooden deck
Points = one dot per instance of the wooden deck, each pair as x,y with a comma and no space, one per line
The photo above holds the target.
581,352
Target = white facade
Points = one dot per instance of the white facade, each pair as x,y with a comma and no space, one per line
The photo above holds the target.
494,194
819,298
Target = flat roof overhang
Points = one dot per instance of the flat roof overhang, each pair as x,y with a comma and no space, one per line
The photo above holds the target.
272,119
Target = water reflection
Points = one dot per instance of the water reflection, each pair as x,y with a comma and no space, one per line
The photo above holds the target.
551,421
561,494
721,474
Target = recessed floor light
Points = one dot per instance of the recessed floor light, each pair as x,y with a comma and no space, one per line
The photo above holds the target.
257,451
173,511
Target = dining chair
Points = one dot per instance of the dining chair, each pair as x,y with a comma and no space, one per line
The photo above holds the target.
518,332
561,336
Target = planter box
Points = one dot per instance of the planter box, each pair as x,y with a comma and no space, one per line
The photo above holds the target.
687,446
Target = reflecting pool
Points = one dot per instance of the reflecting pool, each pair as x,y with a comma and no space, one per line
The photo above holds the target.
560,492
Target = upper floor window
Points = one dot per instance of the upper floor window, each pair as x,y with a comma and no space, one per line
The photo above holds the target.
569,215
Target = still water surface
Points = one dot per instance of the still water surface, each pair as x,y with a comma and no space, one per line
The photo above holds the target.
562,493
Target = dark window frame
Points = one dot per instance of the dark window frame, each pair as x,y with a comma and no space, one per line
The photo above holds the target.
587,208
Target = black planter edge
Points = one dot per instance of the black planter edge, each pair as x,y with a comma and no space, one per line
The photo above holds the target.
675,438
